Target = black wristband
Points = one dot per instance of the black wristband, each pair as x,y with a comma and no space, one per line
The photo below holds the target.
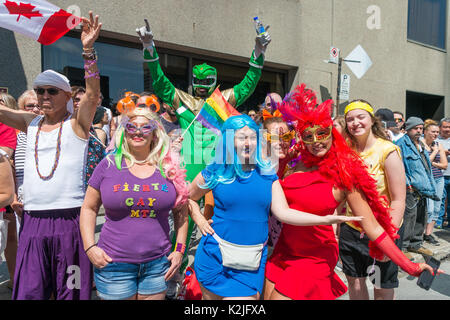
85,251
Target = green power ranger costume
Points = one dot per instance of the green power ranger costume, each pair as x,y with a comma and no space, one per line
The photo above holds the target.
204,76
188,106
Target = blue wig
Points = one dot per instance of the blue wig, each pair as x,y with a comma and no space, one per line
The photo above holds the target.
226,164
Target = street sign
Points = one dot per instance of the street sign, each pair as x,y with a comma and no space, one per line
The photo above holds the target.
344,93
334,55
364,62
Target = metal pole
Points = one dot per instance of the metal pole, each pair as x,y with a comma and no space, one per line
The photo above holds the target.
338,85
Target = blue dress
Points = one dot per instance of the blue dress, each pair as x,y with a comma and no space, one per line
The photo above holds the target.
241,211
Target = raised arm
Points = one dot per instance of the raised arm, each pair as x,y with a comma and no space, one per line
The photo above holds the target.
246,87
88,104
161,84
283,213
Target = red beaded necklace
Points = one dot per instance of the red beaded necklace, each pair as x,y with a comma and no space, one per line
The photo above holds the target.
58,149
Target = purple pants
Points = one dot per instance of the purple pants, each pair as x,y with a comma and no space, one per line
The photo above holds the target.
50,257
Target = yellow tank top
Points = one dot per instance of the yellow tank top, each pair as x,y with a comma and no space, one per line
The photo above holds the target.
375,158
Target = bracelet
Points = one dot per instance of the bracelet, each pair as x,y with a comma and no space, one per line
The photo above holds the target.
87,65
95,75
180,247
90,54
85,251
88,49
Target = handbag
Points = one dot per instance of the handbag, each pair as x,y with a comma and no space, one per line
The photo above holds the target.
190,289
240,257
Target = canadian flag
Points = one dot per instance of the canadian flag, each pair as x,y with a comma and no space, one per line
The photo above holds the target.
37,19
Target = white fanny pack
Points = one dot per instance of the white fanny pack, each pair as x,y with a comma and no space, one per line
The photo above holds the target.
240,257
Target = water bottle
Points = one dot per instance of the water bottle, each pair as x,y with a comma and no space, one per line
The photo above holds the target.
258,26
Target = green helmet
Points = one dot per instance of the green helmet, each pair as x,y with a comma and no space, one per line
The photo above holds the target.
204,76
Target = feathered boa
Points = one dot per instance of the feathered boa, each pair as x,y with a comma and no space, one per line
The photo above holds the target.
341,165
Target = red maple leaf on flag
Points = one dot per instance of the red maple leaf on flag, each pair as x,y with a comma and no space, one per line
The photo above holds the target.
22,9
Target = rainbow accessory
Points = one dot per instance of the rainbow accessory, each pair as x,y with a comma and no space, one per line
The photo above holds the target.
358,105
215,112
179,247
58,150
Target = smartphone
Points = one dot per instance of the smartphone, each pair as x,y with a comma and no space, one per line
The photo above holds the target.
426,278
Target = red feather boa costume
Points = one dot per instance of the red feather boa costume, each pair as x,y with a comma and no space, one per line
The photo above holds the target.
341,165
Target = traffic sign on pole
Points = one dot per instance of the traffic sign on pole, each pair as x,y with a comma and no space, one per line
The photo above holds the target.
334,55
344,93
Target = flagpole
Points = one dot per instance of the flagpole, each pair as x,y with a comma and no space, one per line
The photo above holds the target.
190,124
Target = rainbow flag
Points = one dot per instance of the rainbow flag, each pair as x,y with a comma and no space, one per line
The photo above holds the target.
215,111
202,130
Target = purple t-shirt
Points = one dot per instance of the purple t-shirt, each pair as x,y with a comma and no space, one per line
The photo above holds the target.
136,229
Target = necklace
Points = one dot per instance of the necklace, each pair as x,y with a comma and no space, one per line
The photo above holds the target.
58,150
140,161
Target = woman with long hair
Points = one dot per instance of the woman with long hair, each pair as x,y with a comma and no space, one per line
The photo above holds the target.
330,172
138,184
383,159
231,256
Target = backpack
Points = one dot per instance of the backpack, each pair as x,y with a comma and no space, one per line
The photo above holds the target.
96,153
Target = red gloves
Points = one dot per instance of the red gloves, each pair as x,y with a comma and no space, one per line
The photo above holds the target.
385,243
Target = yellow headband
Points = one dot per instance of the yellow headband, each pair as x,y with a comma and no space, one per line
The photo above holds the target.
358,105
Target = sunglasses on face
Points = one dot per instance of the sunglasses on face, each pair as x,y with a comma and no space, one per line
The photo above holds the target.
398,120
287,137
31,106
316,134
50,91
153,107
131,128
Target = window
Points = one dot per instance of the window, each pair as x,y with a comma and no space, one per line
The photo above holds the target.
427,22
120,67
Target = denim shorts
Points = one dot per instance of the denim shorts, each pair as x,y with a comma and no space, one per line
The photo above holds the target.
120,280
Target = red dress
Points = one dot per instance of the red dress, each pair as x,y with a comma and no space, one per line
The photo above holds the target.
303,261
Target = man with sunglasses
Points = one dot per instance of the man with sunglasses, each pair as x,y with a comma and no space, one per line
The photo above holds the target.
400,121
50,252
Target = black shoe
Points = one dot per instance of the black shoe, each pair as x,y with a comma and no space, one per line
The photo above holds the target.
430,239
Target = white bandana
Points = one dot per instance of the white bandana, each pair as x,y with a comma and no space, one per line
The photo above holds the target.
52,78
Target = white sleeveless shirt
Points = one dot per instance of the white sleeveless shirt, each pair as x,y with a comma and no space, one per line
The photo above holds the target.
66,188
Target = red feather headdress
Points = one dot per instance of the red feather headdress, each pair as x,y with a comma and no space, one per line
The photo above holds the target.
341,165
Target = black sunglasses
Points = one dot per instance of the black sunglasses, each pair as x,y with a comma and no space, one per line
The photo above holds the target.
50,91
